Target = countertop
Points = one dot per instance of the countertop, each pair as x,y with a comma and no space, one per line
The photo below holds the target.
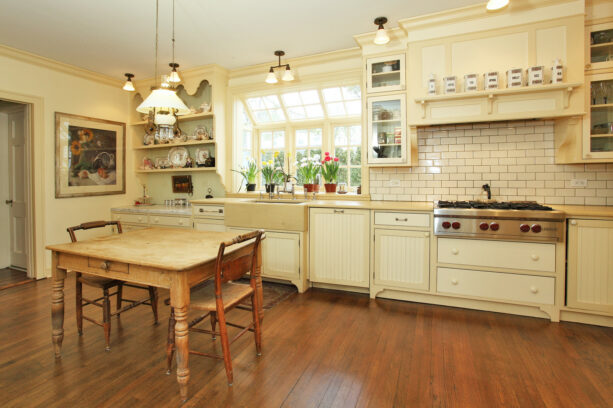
154,209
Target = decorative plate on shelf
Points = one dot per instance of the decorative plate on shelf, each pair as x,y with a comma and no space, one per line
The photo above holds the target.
201,155
200,133
177,156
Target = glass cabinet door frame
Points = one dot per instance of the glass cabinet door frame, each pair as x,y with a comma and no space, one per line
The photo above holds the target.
403,125
389,88
587,123
589,47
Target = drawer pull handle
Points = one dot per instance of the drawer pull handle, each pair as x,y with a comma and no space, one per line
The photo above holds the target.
573,222
402,219
534,289
180,222
140,219
454,281
105,265
535,257
455,251
339,211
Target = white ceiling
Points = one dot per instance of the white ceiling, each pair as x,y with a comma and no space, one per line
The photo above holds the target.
117,36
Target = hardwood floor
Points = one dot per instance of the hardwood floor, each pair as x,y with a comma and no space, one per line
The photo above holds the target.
10,277
320,349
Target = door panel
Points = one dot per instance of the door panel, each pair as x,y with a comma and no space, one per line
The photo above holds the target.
17,189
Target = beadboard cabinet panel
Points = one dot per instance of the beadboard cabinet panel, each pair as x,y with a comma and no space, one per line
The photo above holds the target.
590,265
339,246
402,258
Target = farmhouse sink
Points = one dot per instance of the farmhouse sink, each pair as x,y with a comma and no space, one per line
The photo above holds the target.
268,215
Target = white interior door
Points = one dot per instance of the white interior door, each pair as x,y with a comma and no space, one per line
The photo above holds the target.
17,188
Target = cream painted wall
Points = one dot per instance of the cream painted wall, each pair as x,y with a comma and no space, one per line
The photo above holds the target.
4,192
62,92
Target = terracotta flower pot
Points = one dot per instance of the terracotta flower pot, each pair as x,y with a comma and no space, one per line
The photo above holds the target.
330,187
250,187
308,188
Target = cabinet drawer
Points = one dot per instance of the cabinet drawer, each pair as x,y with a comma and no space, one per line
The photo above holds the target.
170,221
498,254
498,286
208,211
107,265
209,224
131,218
402,219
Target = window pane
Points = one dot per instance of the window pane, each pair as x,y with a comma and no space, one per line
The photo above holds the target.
315,137
340,135
279,140
354,107
332,94
316,154
262,116
266,140
341,153
356,155
300,154
246,139
356,177
296,113
352,92
356,135
314,111
342,175
291,99
302,138
309,97
267,156
277,115
255,103
336,109
272,101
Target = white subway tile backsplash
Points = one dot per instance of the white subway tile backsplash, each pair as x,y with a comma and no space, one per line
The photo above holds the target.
515,158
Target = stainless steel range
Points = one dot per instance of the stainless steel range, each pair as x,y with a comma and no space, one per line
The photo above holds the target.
522,221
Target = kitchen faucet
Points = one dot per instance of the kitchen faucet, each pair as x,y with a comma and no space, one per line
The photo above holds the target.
486,188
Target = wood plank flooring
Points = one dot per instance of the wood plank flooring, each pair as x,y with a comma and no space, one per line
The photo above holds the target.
10,277
321,349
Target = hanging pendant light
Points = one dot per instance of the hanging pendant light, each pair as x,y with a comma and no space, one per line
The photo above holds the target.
381,38
129,86
493,5
288,75
174,77
162,102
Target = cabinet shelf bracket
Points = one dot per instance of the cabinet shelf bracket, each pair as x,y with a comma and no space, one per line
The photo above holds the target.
490,104
422,103
566,99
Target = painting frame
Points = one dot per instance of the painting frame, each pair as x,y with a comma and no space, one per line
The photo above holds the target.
90,156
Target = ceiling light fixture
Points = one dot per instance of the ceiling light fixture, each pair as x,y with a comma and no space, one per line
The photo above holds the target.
493,5
288,75
381,38
163,103
174,77
128,86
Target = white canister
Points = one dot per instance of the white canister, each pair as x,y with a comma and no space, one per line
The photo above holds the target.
450,84
432,85
490,80
536,75
557,72
470,82
515,77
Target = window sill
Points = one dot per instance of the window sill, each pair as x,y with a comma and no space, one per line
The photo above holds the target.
300,194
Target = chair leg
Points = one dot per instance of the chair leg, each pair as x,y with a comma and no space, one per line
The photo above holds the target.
170,343
225,345
79,305
257,330
153,298
119,297
106,314
213,323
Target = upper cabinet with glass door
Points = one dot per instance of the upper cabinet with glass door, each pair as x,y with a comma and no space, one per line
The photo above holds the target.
600,46
387,139
598,143
385,73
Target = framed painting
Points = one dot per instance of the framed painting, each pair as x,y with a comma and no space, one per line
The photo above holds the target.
89,156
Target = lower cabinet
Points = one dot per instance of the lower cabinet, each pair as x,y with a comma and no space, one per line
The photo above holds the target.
590,265
402,259
339,246
205,224
131,227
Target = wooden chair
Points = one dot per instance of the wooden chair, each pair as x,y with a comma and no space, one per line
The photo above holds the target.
106,285
223,296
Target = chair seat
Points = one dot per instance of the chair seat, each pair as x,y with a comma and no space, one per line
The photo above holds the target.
203,298
98,282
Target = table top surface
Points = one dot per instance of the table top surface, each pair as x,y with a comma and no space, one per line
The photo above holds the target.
163,248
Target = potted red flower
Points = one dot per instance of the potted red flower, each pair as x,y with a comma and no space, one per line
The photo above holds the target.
329,171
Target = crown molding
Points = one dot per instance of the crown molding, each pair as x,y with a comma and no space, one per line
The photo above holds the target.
64,68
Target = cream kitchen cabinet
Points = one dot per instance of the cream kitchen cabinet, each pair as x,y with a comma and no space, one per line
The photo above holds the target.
209,218
387,130
385,73
339,246
590,265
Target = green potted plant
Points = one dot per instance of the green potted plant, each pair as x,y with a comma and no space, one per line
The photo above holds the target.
249,173
270,175
329,171
307,171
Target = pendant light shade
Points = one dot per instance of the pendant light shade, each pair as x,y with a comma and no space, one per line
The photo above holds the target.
271,78
381,38
129,86
493,5
288,75
160,100
174,75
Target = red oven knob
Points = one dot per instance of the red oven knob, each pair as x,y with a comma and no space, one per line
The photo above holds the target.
494,226
484,226
524,228
536,228
446,224
455,225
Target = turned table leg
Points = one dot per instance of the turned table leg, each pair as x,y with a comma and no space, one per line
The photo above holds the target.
179,300
57,305
258,282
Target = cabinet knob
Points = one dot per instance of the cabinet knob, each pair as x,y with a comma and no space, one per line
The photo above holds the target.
534,289
140,219
180,222
201,210
573,222
455,251
156,220
105,265
535,257
454,281
426,234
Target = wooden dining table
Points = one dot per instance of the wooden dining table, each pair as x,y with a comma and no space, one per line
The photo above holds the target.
175,259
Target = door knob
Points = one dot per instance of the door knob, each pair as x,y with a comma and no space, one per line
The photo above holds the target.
9,202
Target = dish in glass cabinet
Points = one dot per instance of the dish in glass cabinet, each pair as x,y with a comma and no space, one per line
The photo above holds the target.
200,133
201,155
148,139
177,156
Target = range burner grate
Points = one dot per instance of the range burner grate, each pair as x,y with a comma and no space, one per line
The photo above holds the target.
512,205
